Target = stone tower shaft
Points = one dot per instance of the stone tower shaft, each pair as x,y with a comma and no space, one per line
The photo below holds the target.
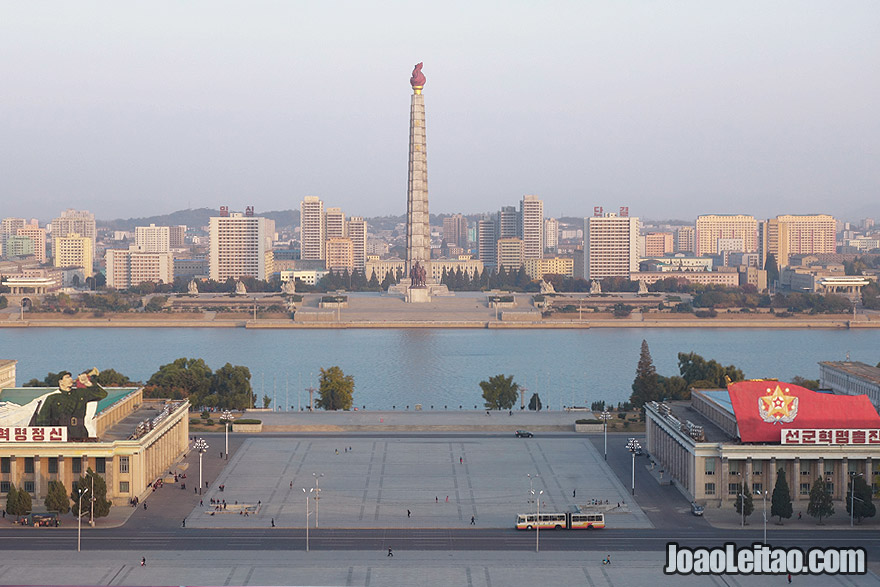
418,229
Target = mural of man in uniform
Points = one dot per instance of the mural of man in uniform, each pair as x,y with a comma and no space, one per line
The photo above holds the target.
73,405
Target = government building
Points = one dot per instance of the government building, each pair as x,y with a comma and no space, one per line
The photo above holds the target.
131,441
710,445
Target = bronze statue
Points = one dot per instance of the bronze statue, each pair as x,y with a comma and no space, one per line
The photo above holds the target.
417,275
418,78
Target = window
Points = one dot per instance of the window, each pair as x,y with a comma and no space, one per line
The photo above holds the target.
710,489
5,464
805,489
710,466
123,464
757,487
100,465
53,465
29,486
733,488
757,468
4,486
829,470
29,464
733,467
77,465
123,487
805,472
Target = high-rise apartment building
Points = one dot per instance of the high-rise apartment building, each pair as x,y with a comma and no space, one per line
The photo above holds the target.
810,234
510,253
685,239
334,223
508,223
356,228
611,245
340,254
773,239
81,222
712,227
455,231
312,234
152,239
38,235
177,236
551,235
657,244
240,246
127,268
18,246
9,227
487,251
532,231
74,250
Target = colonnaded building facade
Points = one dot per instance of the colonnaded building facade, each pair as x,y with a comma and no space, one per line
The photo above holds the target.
128,440
710,445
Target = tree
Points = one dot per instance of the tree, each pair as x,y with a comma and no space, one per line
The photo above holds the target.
820,505
744,501
50,380
864,507
231,388
180,380
266,401
113,378
57,499
335,390
780,504
98,500
12,501
646,386
808,383
500,392
535,403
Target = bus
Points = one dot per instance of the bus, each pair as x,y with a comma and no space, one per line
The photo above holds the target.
557,521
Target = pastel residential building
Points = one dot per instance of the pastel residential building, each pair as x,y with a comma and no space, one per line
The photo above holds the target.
38,236
340,254
152,239
131,267
356,228
532,231
81,222
538,268
312,229
240,246
510,253
712,227
611,245
74,250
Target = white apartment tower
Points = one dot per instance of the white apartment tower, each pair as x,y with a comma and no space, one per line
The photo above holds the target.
152,239
334,223
551,235
685,239
312,234
357,232
127,268
240,246
486,249
81,222
531,210
611,244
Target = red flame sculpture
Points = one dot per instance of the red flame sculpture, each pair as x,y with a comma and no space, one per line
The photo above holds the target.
418,78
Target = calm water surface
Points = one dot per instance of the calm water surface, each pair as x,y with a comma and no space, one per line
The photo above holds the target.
435,367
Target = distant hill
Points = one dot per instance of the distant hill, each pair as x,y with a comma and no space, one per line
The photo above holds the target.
194,218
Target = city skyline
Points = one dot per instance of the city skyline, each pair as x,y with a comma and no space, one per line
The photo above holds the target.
749,108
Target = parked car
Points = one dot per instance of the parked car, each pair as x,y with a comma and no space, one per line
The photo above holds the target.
696,509
523,434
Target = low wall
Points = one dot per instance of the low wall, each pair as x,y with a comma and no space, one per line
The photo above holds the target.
250,428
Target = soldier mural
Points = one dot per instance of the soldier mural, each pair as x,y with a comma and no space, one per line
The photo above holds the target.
72,406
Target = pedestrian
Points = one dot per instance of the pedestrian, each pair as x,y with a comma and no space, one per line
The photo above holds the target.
799,515
291,484
473,521
145,506
408,514
183,524
273,522
206,485
337,451
789,577
201,503
436,500
574,492
143,561
609,559
389,552
460,460
447,499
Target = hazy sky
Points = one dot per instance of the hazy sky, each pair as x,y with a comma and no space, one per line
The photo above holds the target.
672,108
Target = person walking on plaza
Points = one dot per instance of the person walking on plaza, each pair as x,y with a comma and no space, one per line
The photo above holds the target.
273,522
574,492
473,521
143,561
389,552
408,514
183,524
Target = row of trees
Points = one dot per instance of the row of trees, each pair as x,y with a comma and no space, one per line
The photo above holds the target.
820,506
694,371
20,503
501,392
229,388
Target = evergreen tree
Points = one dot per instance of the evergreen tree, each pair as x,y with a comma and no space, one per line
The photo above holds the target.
335,390
744,501
535,403
864,507
484,278
444,278
772,269
820,505
388,281
646,386
780,504
56,498
98,500
12,501
373,284
23,503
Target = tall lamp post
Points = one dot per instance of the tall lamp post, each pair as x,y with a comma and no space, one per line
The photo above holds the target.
633,446
764,495
202,447
227,417
92,504
317,477
311,490
852,498
742,510
531,479
605,415
537,518
79,513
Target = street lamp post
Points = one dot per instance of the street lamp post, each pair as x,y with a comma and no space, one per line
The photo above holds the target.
633,446
227,417
742,510
531,479
853,498
92,504
764,495
605,415
79,513
317,477
202,447
311,490
537,518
